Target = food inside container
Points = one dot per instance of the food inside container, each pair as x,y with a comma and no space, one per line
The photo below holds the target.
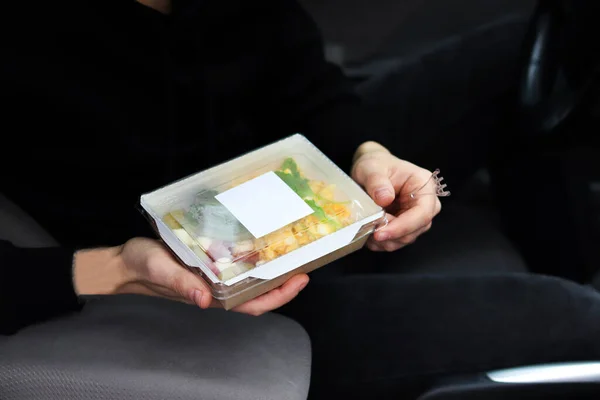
208,226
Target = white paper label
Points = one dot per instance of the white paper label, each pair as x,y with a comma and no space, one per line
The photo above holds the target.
264,204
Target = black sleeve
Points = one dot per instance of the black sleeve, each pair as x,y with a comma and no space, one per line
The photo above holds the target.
309,95
36,285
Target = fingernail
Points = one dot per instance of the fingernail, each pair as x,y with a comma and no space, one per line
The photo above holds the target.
383,193
196,297
382,236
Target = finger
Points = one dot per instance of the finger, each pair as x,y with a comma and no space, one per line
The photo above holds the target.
275,298
373,245
394,245
415,218
190,287
163,270
373,175
412,237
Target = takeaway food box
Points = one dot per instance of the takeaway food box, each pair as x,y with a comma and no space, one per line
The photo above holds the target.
248,225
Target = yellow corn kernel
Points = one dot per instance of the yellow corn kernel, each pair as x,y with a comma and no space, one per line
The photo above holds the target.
291,248
298,229
267,254
338,210
303,239
314,230
328,192
316,186
310,220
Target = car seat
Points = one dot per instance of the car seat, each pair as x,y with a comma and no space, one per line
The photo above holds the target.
136,347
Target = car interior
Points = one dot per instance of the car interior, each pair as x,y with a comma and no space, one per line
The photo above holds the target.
501,95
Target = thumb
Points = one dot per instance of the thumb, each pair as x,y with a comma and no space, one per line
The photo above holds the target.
191,289
166,277
373,175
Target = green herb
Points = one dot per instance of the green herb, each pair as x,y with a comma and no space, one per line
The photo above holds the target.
323,200
295,181
318,211
290,174
290,164
322,216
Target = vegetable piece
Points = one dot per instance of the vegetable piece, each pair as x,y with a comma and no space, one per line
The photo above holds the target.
316,186
322,215
184,237
244,246
204,242
326,194
223,263
171,222
219,250
291,175
290,164
298,185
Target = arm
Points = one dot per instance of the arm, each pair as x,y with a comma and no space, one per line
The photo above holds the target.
36,285
309,95
40,284
44,283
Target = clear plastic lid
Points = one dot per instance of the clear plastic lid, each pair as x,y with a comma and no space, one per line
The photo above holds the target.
265,205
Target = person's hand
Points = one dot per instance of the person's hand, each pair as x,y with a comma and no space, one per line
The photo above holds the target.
390,181
145,266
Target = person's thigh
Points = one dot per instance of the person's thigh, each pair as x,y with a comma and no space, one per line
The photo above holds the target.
378,335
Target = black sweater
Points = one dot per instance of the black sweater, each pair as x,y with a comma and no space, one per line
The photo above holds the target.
107,99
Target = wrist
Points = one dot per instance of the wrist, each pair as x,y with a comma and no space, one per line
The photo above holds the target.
99,271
